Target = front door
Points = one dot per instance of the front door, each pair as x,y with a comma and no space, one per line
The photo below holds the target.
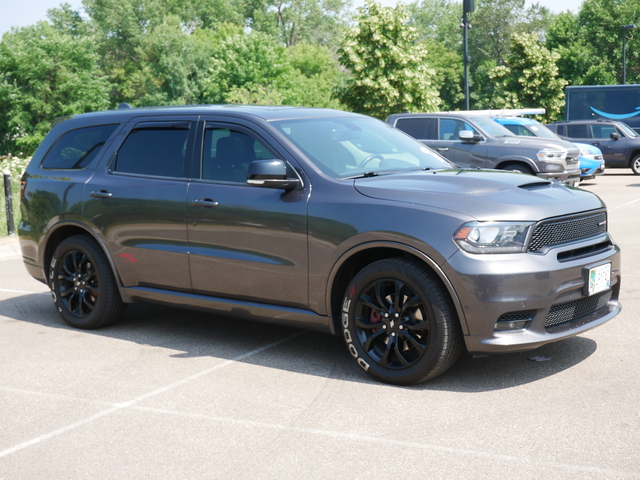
245,242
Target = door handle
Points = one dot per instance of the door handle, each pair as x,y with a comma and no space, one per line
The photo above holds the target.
442,149
206,203
597,144
101,194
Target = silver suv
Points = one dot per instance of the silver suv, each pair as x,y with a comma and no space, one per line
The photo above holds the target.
472,140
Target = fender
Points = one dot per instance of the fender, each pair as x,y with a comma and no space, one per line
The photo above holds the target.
405,248
88,231
500,162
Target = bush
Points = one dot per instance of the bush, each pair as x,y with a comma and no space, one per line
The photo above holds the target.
15,166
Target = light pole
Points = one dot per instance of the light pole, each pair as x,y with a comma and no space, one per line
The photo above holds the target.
467,6
624,51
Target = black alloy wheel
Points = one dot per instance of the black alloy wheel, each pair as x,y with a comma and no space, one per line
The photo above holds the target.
399,324
82,284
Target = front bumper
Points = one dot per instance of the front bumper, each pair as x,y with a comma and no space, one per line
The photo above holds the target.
537,288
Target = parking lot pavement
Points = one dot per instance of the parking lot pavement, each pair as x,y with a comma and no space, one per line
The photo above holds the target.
174,394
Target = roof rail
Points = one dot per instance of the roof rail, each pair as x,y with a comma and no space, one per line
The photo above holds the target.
504,112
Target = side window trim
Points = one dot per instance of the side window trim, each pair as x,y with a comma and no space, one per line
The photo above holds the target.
141,124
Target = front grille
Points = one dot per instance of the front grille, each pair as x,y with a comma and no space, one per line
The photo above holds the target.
572,160
567,229
560,315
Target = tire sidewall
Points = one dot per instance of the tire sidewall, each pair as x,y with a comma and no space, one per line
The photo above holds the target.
635,165
433,304
87,247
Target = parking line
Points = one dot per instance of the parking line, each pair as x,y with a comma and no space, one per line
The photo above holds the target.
6,290
625,204
119,406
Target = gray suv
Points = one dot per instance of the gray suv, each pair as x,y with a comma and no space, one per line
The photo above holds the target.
312,218
619,143
471,140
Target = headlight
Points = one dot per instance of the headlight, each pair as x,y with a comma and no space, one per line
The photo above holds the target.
548,155
493,237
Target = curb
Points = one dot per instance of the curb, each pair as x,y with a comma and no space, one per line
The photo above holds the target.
9,248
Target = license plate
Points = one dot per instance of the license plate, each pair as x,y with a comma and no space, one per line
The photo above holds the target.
599,278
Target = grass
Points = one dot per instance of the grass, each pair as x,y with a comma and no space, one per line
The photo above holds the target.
15,166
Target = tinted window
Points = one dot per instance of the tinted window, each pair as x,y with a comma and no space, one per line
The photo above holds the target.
577,131
603,131
154,148
420,128
450,128
78,148
227,154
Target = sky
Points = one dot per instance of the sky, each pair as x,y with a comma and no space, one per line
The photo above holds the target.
21,13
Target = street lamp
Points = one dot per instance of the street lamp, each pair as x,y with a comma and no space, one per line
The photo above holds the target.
467,6
624,51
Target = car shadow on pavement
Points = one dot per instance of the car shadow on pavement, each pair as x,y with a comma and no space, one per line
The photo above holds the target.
196,334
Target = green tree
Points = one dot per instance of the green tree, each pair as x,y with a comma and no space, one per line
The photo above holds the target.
437,24
529,79
388,69
254,62
44,74
292,21
313,77
601,22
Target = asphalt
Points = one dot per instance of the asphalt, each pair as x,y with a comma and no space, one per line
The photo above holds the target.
9,247
176,394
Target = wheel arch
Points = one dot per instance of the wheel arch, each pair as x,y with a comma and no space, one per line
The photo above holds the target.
63,231
359,257
520,161
633,155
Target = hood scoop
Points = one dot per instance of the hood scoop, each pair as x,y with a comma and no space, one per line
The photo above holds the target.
535,185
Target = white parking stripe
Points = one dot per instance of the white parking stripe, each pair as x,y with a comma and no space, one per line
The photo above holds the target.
119,406
19,291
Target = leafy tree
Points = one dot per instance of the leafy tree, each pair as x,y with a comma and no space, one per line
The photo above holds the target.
389,71
601,22
530,78
255,61
313,77
292,21
438,21
437,24
44,74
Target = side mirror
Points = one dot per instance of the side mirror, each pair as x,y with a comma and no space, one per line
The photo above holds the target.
615,136
469,136
271,174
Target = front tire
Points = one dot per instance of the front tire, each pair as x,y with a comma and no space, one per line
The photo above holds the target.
518,167
635,165
399,324
82,284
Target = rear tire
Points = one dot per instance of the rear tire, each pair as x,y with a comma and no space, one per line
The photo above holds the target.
82,284
399,324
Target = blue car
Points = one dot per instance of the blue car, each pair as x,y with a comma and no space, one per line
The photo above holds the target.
591,160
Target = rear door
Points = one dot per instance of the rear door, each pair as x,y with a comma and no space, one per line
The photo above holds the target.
246,242
137,202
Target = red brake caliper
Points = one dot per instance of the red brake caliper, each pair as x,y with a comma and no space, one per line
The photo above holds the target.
375,317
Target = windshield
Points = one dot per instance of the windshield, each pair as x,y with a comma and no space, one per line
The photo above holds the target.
353,146
630,132
540,130
492,128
